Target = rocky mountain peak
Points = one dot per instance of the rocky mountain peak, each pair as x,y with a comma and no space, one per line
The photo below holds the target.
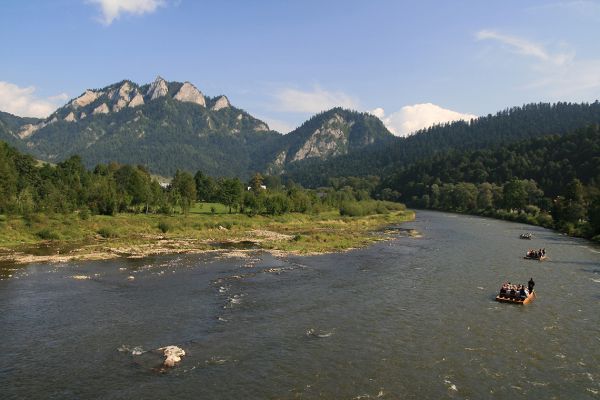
222,102
189,93
137,99
121,96
158,88
89,96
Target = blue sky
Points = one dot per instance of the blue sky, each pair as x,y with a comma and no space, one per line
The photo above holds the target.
410,63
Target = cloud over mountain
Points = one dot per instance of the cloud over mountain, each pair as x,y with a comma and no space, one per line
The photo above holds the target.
23,101
410,119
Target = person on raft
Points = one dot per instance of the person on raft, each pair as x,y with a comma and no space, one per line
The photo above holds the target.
530,285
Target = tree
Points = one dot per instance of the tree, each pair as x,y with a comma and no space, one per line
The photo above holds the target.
230,192
256,182
515,195
485,197
206,188
183,187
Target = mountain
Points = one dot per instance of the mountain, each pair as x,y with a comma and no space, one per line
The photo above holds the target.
164,125
172,125
331,133
10,125
508,126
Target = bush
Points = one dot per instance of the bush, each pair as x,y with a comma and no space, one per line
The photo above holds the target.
164,226
351,209
84,214
48,234
107,232
165,209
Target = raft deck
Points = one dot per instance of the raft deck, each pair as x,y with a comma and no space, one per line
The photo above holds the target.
507,298
542,258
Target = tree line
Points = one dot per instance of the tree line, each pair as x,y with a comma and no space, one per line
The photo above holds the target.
28,186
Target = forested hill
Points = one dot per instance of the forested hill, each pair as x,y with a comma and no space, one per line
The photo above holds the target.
551,161
552,181
508,126
328,134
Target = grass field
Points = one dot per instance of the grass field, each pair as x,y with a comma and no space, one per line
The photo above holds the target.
201,229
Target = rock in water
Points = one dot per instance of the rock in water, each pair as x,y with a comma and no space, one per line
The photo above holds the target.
172,355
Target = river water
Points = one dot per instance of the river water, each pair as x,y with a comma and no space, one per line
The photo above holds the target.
410,318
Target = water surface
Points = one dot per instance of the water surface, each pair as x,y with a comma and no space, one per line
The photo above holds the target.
410,318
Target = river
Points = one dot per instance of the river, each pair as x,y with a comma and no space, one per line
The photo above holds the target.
409,318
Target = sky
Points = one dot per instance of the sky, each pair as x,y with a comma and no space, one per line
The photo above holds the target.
410,63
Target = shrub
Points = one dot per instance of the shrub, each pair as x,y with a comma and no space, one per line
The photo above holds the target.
351,209
164,226
107,232
48,234
84,214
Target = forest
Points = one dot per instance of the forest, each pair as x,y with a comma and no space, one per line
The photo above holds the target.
553,181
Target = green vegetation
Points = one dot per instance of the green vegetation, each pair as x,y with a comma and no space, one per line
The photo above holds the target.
143,234
506,127
553,181
121,209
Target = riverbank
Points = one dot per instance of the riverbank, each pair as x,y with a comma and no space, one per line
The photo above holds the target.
62,238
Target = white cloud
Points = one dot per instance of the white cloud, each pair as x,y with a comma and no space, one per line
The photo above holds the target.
23,101
316,100
410,119
561,74
525,47
113,9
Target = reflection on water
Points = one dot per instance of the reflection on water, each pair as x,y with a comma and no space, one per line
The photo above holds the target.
411,318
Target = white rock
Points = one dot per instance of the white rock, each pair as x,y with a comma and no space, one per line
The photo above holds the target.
121,97
86,98
120,104
158,88
28,130
172,355
101,109
191,94
70,117
261,127
83,115
328,140
222,102
137,100
124,91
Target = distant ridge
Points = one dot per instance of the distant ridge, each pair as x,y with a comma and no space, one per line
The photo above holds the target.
172,125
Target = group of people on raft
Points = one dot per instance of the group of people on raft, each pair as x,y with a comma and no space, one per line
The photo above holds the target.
513,290
536,253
